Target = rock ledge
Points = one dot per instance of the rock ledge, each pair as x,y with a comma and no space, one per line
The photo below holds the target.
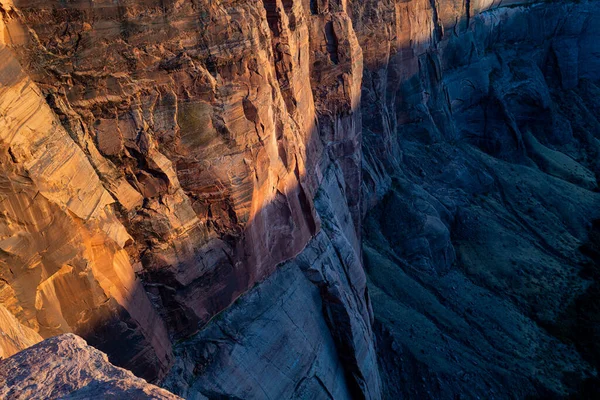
66,367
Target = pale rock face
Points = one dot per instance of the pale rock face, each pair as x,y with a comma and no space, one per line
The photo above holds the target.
66,367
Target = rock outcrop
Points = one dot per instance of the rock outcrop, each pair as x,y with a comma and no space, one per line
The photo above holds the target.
66,367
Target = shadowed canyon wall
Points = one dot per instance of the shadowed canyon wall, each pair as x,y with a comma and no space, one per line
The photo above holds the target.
484,133
208,182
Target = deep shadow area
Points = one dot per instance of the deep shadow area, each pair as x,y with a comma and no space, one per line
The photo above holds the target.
579,324
493,183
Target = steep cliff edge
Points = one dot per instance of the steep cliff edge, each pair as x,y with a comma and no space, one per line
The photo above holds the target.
205,179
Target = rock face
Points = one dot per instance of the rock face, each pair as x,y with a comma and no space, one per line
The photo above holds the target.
64,267
274,341
208,181
14,336
66,367
481,126
176,155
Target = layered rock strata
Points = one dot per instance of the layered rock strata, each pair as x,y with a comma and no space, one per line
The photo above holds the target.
200,134
163,159
64,266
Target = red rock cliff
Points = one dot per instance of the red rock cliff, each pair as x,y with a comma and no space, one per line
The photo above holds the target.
162,157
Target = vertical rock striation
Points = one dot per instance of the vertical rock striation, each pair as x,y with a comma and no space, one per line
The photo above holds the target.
200,134
64,268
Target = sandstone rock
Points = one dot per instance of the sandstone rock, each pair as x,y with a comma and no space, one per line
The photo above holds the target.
66,367
203,132
204,136
315,341
14,337
63,267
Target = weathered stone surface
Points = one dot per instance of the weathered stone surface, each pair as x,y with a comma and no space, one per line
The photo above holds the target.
66,367
213,123
62,266
332,261
305,332
272,343
205,130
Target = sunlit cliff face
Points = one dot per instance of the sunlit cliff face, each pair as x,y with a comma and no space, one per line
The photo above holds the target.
208,181
184,141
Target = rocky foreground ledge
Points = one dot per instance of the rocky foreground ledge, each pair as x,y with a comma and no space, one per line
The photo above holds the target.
66,367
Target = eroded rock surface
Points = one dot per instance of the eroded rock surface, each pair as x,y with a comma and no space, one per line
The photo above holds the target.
14,336
66,367
305,332
180,147
64,268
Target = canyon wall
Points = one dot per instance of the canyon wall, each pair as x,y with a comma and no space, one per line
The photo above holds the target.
209,180
481,125
177,152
